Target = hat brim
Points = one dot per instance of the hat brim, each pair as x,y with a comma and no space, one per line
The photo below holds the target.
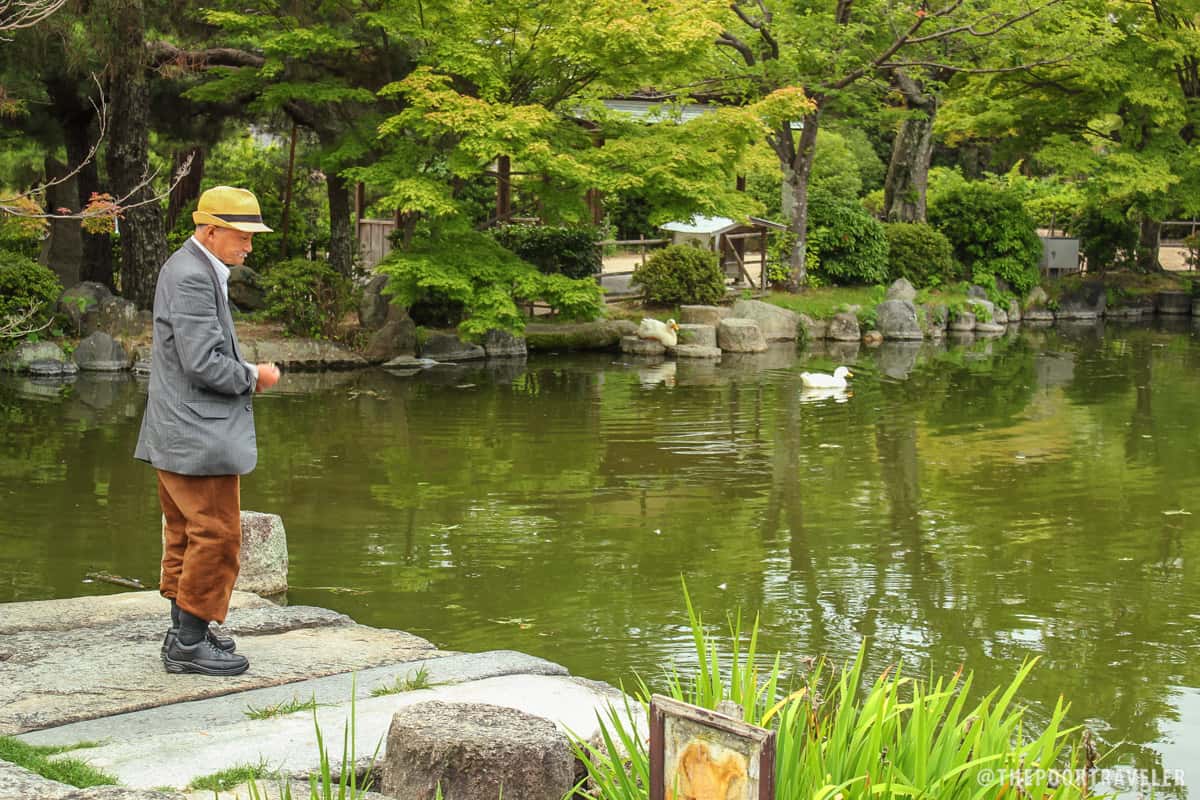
204,218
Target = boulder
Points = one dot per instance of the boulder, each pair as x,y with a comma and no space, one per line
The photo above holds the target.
636,346
475,751
897,319
844,327
702,315
397,337
777,324
695,351
961,322
301,354
264,555
448,347
246,291
373,304
500,344
101,353
51,369
984,312
695,334
599,335
1037,315
739,335
263,558
1085,301
814,329
872,338
1133,308
933,318
115,316
74,302
1000,316
1196,308
901,289
1037,298
1014,311
1173,303
23,355
976,293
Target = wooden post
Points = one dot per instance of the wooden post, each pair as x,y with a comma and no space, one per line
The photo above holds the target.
642,247
503,188
762,278
360,201
741,183
287,196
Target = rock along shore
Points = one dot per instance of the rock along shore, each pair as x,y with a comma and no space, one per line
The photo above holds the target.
87,670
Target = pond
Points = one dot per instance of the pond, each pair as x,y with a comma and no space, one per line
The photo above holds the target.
971,504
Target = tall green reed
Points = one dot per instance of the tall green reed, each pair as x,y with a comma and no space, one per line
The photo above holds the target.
899,737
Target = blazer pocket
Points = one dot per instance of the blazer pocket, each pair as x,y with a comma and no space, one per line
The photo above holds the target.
208,410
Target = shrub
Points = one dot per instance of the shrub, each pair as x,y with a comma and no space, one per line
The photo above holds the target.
850,244
681,274
469,272
991,233
553,249
921,253
28,293
309,297
1107,238
23,235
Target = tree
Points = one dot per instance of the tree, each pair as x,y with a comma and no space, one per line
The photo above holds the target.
1122,120
826,48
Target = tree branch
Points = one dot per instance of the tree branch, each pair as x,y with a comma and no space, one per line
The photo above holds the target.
972,70
161,54
17,14
727,39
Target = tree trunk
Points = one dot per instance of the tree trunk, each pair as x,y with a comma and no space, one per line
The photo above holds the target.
143,245
908,171
796,160
341,225
62,251
1149,231
97,263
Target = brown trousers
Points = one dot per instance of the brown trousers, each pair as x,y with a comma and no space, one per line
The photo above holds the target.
201,542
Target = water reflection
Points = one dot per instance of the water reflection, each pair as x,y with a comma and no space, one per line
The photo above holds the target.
973,503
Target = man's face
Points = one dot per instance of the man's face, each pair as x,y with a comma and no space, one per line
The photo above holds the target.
229,245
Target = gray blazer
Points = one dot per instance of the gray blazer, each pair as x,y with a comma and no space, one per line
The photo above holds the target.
199,419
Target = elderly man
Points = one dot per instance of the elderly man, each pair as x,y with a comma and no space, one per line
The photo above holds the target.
198,429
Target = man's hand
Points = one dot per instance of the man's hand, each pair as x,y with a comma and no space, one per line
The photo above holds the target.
268,376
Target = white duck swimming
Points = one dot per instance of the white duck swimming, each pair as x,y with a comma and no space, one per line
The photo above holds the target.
664,332
819,380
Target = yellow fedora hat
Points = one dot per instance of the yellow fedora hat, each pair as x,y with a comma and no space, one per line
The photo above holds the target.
229,207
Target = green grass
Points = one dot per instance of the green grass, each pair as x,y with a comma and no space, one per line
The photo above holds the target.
279,709
67,770
408,683
826,301
228,778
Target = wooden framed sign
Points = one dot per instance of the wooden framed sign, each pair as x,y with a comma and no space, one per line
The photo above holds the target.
697,754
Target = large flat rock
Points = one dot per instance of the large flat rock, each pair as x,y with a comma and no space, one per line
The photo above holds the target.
288,744
79,659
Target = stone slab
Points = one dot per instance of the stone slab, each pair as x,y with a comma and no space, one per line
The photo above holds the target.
230,709
288,744
54,672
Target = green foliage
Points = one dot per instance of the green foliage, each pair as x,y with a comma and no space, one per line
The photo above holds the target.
1108,239
553,249
942,738
309,297
281,708
226,779
71,771
991,233
921,253
28,293
849,243
681,274
22,234
470,270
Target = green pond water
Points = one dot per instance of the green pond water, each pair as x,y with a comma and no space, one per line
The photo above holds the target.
970,504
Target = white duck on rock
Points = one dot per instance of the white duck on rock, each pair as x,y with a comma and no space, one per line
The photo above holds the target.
664,332
819,380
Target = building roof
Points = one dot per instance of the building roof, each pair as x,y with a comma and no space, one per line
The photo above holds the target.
699,224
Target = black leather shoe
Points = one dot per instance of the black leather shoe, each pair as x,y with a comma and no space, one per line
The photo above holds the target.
222,642
203,657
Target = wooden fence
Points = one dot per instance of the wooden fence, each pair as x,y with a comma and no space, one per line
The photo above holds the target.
373,240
